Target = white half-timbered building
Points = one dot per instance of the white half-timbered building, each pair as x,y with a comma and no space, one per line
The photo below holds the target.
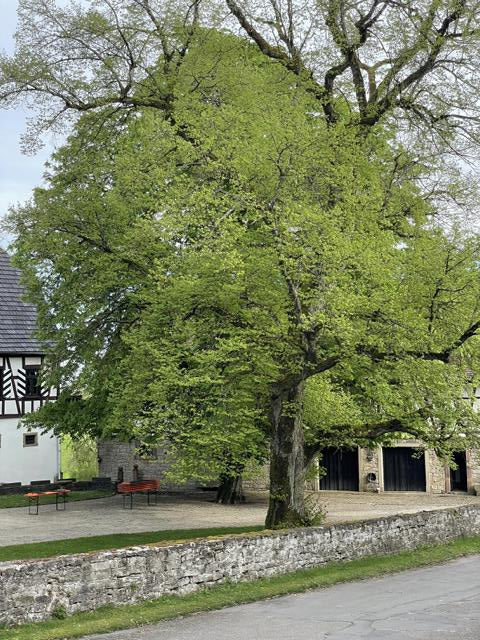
24,455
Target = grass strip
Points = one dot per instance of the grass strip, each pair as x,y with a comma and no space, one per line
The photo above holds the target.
52,548
108,619
16,500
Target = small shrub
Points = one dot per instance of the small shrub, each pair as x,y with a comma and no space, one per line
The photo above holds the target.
314,515
59,612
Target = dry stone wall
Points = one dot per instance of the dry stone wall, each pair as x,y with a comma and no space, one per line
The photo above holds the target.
33,590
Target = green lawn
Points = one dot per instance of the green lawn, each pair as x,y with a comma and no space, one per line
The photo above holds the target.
7,502
110,619
113,541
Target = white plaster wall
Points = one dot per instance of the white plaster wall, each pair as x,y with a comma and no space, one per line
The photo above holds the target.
24,464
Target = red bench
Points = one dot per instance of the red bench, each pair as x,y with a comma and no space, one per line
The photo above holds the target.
140,486
34,499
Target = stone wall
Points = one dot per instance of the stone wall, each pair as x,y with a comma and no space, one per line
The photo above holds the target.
436,473
32,590
473,470
259,481
370,462
114,455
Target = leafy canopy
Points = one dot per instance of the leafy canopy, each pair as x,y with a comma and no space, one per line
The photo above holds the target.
185,267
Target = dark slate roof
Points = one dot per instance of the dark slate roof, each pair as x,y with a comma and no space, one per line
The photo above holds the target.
17,318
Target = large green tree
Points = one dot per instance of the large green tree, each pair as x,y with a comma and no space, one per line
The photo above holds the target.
248,240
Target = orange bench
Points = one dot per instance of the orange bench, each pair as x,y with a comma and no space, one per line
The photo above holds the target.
140,486
34,499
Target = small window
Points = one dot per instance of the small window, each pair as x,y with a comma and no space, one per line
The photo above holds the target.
30,439
32,382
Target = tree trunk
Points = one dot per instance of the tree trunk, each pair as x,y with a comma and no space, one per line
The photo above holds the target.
230,490
287,459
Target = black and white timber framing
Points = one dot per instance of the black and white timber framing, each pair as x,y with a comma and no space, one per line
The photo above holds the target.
36,456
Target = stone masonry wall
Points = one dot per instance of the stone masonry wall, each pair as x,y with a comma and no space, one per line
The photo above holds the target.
473,462
113,454
32,590
436,472
259,481
370,462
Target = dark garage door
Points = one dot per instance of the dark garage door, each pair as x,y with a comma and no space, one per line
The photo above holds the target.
341,466
458,476
402,470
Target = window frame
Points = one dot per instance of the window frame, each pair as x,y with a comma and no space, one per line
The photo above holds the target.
38,395
30,433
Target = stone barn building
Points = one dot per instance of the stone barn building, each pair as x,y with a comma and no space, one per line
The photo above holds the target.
407,466
121,461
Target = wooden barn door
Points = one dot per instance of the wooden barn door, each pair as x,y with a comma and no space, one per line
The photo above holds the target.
402,470
458,477
341,469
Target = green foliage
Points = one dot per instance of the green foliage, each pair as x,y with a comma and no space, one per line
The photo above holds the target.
79,458
314,515
59,612
192,264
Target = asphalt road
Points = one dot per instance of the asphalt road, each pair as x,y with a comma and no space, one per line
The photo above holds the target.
435,603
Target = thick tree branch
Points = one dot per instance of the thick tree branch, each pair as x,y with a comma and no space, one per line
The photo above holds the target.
418,58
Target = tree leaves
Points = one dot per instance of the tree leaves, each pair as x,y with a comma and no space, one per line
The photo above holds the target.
188,268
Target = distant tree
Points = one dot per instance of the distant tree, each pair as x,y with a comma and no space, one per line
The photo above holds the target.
79,457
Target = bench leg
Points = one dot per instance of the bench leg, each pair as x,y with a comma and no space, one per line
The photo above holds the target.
131,500
63,502
31,502
151,492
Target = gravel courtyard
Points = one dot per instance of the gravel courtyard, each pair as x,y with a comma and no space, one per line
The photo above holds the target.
105,516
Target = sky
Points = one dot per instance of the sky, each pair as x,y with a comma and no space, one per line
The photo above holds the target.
19,173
